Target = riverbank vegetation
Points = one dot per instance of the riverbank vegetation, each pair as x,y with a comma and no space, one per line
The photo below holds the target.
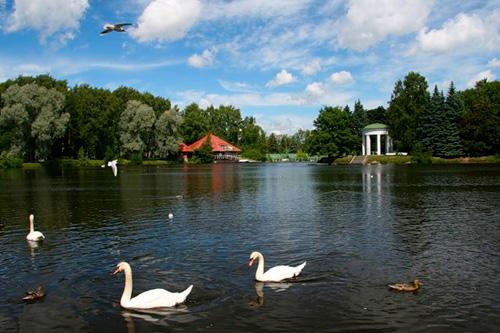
43,119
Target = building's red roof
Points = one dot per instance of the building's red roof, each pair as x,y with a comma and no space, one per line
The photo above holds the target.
184,148
218,145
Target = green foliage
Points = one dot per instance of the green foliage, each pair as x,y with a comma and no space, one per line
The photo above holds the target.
334,134
204,154
408,101
32,119
136,159
421,157
273,144
136,129
254,154
94,121
10,162
167,136
480,124
252,137
377,115
224,122
194,124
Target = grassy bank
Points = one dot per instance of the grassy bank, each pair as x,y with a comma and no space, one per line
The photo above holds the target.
383,159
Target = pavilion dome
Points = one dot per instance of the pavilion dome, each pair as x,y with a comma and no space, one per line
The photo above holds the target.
375,126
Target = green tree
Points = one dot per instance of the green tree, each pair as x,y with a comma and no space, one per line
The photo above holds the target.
95,115
359,120
408,101
195,123
136,129
204,154
273,144
430,131
377,115
453,114
32,120
225,122
253,142
334,134
480,127
167,135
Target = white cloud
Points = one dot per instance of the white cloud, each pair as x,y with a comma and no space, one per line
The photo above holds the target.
166,20
241,99
253,8
48,17
488,75
284,123
342,77
315,89
282,78
202,60
236,86
370,21
494,62
462,33
311,68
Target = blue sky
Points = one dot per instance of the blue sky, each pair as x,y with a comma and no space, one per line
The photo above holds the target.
279,61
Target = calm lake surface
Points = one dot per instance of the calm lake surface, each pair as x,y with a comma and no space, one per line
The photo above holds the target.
358,227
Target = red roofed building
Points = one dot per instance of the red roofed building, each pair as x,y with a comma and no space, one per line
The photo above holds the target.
222,150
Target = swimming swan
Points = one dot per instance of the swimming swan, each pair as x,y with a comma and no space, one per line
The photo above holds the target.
274,274
34,235
154,298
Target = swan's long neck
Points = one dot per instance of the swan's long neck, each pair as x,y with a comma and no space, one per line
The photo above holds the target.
32,226
127,291
260,269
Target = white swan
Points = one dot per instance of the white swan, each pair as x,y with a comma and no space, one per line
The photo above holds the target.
113,166
34,235
154,298
170,216
274,274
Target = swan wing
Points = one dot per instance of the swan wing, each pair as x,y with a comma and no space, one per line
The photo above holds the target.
279,273
158,298
35,236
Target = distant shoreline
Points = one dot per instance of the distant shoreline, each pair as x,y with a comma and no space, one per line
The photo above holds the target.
372,159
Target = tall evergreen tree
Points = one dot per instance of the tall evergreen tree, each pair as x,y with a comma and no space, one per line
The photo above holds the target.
359,120
432,119
453,113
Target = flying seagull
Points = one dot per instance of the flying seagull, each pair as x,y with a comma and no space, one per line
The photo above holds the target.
113,166
108,27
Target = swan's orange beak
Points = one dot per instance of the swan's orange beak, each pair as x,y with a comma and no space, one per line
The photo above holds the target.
250,262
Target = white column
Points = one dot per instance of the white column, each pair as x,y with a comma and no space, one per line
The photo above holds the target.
368,145
378,144
363,144
387,144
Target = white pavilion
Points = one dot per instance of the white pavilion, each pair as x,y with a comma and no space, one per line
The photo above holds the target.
379,133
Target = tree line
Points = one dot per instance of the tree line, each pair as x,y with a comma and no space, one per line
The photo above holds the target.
42,118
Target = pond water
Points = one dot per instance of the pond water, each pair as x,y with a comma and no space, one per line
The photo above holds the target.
358,227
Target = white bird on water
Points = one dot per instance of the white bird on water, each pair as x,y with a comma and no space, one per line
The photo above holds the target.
108,27
34,235
275,274
170,216
113,166
154,298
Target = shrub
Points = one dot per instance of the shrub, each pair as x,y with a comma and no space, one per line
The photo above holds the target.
10,163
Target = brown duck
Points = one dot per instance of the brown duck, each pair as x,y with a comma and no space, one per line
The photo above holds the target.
411,286
33,295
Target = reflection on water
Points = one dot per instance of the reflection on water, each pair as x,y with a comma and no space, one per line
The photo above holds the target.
358,227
